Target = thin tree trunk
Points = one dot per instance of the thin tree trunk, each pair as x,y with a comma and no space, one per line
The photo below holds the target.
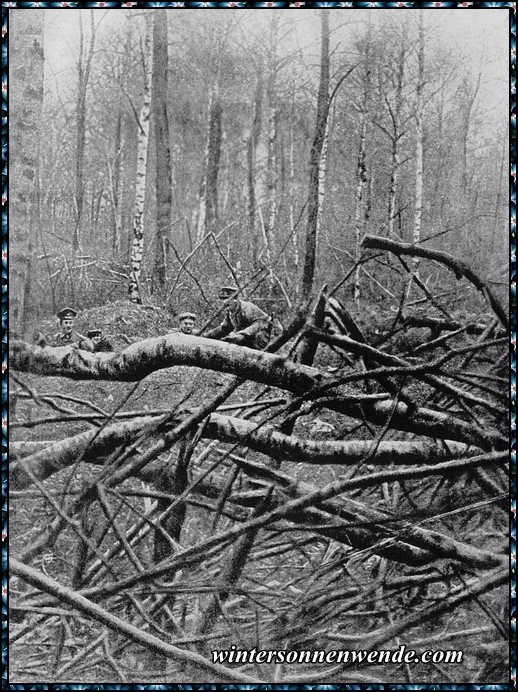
163,154
418,211
137,245
114,178
396,136
208,210
315,159
359,216
252,143
84,67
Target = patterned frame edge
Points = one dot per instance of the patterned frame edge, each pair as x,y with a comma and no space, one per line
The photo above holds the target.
512,296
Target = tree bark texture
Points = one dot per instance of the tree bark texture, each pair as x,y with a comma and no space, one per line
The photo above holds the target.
149,355
314,161
137,244
25,105
164,183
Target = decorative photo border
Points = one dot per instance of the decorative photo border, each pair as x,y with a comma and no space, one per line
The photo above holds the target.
510,7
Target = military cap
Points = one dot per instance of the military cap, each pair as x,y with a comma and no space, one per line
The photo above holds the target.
227,292
91,333
66,312
186,316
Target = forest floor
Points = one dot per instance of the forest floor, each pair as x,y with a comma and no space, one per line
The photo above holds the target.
186,387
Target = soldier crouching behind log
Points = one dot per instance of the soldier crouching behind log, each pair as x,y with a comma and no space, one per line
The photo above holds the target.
186,322
99,341
67,335
243,323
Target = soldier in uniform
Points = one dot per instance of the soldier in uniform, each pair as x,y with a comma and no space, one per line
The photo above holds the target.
186,321
243,323
100,342
67,336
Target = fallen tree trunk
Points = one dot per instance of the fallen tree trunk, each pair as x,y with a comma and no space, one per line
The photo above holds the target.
150,355
47,458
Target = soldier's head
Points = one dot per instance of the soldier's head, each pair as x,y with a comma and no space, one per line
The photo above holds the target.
228,294
95,335
186,321
66,319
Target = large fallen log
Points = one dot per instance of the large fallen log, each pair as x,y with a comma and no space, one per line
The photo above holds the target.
150,355
93,446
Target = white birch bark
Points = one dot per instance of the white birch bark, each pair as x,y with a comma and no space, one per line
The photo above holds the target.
137,245
418,210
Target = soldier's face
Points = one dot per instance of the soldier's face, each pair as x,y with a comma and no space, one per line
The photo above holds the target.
186,326
231,302
67,325
96,339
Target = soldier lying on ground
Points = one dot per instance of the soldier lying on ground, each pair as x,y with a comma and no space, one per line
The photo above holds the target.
243,323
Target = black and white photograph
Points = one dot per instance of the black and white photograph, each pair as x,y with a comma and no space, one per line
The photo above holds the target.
258,344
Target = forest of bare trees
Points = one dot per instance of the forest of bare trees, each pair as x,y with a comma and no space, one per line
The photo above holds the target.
345,487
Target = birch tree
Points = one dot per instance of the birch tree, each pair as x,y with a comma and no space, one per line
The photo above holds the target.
315,161
84,67
137,245
419,115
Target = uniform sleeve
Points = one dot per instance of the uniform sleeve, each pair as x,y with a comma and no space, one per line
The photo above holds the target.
221,330
255,319
84,344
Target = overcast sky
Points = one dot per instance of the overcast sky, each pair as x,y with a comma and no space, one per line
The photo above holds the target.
479,38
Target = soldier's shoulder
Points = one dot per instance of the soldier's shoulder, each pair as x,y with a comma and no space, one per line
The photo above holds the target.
252,308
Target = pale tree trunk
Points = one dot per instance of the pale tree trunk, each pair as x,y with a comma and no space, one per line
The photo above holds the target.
114,178
26,55
224,174
395,112
208,209
270,212
252,142
163,154
315,162
322,177
137,245
84,68
291,195
418,210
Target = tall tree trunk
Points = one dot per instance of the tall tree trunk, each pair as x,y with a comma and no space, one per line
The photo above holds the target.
252,142
137,245
208,210
84,67
395,139
314,162
359,216
213,164
293,229
163,154
114,174
26,54
418,210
